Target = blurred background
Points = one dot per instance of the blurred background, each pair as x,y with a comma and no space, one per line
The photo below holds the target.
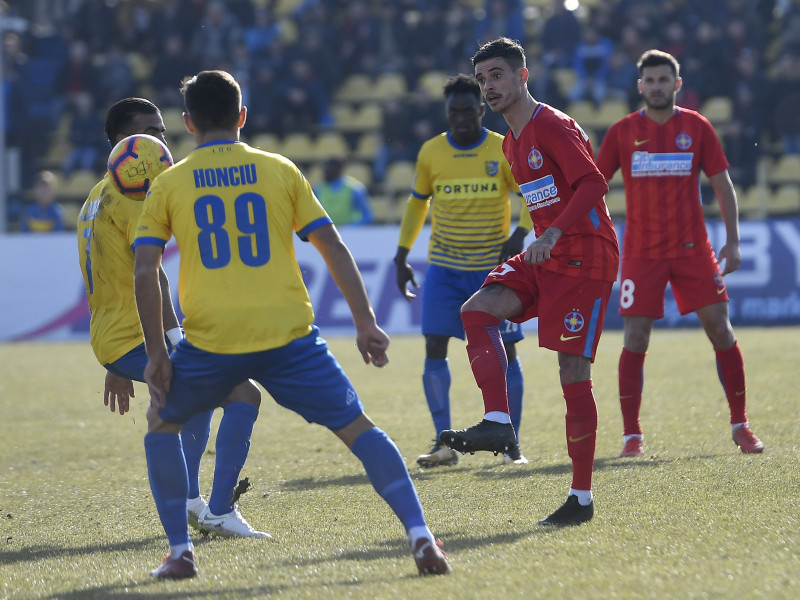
361,81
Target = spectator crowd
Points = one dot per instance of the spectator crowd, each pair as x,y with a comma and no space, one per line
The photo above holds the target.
74,58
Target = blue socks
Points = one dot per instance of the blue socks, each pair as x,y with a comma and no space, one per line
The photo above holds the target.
194,438
516,388
233,445
169,483
389,476
436,382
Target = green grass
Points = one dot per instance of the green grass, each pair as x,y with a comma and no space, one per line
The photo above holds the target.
693,519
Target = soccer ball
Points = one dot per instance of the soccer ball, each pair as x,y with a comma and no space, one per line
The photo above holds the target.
135,162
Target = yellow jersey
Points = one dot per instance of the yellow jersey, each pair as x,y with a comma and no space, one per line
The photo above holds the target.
233,210
468,188
106,231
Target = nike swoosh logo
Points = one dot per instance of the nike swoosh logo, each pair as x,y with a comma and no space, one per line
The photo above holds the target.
720,290
740,393
568,338
640,142
583,437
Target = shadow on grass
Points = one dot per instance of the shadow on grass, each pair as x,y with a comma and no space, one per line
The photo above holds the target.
34,553
496,471
149,589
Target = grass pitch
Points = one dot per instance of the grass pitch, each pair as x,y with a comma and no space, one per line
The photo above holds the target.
694,518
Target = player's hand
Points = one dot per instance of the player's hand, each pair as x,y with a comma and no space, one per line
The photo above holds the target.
118,390
372,342
539,250
732,256
405,274
158,376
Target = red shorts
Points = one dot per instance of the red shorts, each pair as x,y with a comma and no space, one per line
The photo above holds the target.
696,282
571,310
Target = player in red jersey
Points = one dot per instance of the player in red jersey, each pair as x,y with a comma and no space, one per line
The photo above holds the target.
661,149
564,277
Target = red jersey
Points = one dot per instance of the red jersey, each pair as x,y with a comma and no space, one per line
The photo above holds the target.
551,154
661,172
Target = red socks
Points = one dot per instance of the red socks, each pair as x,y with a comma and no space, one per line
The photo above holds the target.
581,431
631,382
487,357
730,367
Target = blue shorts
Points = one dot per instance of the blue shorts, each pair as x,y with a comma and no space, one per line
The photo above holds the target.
302,376
443,292
131,365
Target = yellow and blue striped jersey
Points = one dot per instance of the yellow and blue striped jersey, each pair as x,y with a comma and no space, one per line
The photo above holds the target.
468,188
106,231
233,210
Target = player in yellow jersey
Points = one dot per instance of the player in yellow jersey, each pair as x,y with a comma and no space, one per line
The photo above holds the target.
106,231
463,174
234,211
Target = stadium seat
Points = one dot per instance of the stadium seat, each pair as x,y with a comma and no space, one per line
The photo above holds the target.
367,146
330,144
718,110
355,88
615,201
348,119
400,177
360,170
314,173
182,147
752,201
433,83
565,79
583,112
299,147
173,121
609,113
785,170
70,212
76,187
389,85
785,200
269,142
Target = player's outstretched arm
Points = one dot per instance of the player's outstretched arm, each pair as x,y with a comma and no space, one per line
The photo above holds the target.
404,273
729,209
118,390
372,341
158,372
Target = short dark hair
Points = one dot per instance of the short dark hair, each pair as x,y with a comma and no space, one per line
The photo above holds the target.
656,58
462,84
121,114
213,100
503,47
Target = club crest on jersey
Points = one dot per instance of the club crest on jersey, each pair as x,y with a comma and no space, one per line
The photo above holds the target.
492,166
718,279
535,160
574,321
683,141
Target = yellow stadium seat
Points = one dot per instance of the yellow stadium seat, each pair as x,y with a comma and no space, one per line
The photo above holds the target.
753,201
367,146
299,147
615,201
718,110
330,144
389,85
785,170
400,177
583,112
173,121
269,142
314,173
609,113
433,83
355,88
565,79
785,200
77,186
360,170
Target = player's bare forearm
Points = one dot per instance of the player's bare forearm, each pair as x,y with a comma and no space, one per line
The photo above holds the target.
372,341
539,250
167,309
